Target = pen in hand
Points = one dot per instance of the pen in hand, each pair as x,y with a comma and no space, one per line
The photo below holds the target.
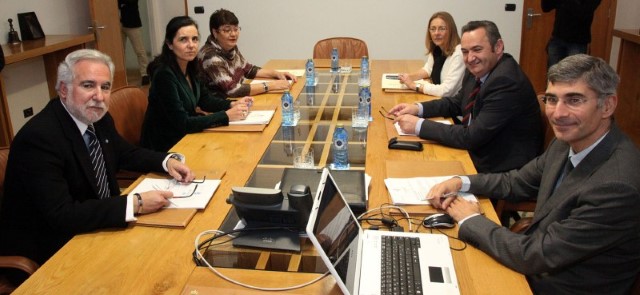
447,195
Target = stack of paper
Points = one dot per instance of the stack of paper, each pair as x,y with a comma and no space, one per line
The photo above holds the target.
391,83
188,195
256,117
413,191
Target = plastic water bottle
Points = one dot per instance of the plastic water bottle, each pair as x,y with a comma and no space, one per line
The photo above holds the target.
287,109
287,138
364,105
335,62
365,76
310,73
310,91
340,148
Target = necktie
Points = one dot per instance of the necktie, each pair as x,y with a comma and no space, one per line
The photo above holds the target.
95,152
568,166
468,109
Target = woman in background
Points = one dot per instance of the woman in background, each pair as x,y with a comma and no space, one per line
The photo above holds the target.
444,66
178,102
224,68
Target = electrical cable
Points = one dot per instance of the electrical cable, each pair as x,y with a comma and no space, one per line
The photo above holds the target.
217,234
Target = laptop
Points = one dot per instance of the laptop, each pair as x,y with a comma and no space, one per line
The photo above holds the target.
354,256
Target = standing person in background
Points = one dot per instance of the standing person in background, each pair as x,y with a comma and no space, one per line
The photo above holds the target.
132,29
444,64
224,68
571,27
178,102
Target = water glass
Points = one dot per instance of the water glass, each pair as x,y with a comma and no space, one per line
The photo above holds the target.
303,157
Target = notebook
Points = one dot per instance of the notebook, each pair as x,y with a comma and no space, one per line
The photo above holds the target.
343,245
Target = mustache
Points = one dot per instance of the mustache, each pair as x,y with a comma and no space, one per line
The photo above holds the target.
97,104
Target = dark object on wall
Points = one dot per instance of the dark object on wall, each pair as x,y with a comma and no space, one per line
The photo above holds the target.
13,35
1,59
29,26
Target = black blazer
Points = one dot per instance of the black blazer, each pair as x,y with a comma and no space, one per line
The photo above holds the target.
506,129
50,187
171,113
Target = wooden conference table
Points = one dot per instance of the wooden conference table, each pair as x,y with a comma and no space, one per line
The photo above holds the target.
156,260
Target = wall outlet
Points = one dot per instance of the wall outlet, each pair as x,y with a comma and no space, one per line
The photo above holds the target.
28,112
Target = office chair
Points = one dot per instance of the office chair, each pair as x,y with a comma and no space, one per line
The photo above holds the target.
347,47
127,107
14,262
506,209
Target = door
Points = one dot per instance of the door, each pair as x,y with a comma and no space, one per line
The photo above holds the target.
536,31
105,23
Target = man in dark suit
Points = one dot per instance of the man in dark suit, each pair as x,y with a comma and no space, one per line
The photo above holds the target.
501,122
52,189
585,232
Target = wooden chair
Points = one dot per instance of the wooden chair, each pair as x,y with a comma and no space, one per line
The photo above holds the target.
14,262
505,209
347,47
127,107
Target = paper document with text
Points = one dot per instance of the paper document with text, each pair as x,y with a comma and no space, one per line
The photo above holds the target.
413,190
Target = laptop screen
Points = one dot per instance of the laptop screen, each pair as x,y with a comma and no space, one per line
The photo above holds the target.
337,230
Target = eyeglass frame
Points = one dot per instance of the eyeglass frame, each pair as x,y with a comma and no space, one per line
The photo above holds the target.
385,112
437,29
196,182
228,29
574,101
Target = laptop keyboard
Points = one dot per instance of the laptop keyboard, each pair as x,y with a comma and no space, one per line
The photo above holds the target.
400,265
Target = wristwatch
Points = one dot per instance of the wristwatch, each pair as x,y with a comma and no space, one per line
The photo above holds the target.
175,157
265,86
418,88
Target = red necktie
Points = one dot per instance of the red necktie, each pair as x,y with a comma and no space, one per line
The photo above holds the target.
468,109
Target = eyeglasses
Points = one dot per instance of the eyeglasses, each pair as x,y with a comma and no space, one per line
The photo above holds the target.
181,190
572,102
386,114
229,29
437,29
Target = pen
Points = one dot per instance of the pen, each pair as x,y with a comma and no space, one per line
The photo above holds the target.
451,194
393,77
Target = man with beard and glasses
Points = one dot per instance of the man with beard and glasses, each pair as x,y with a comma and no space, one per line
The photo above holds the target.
61,172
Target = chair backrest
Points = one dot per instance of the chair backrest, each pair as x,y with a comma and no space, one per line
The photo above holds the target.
546,127
127,107
347,47
4,157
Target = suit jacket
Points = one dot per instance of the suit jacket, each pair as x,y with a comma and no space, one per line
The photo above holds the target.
171,112
50,186
585,236
506,129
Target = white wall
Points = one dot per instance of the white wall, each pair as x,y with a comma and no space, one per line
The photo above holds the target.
626,18
281,29
26,83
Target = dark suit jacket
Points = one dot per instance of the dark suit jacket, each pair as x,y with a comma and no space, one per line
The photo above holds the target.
506,130
50,186
171,113
585,236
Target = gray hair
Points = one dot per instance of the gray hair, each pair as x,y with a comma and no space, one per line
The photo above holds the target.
594,71
490,28
66,68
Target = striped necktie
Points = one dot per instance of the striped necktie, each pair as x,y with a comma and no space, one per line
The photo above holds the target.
95,152
468,109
